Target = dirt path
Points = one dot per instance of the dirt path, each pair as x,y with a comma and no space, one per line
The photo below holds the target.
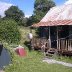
51,61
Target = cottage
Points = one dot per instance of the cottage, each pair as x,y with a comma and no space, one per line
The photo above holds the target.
59,23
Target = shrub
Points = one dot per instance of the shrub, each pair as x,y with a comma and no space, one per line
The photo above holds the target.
9,31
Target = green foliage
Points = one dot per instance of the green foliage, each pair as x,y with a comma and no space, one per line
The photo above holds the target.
23,22
41,7
31,20
0,16
24,31
15,13
33,61
9,31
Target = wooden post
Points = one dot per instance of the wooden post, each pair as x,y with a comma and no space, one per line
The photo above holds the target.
66,45
59,44
70,45
49,38
57,37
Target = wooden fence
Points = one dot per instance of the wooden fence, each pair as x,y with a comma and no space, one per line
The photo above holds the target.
64,46
37,43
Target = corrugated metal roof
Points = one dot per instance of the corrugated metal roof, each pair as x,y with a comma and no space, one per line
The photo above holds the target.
63,12
58,15
53,23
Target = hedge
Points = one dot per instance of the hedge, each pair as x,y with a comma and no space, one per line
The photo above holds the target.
9,31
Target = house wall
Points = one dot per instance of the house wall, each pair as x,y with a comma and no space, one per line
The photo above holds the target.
64,32
70,32
43,32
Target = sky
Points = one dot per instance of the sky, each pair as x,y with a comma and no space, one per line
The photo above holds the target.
27,6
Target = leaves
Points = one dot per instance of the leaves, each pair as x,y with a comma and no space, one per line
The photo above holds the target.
14,13
9,31
41,7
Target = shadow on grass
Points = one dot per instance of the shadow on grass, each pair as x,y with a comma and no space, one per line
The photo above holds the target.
28,45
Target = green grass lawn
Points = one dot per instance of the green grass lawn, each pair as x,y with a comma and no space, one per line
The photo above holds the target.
24,34
33,61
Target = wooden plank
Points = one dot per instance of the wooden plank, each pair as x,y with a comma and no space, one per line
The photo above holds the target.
49,38
66,45
58,45
57,37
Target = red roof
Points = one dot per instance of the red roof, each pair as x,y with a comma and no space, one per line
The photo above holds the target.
53,23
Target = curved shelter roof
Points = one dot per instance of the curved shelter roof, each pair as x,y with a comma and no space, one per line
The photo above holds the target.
53,23
58,15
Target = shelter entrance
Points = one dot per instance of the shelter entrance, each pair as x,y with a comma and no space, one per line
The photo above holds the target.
53,34
64,32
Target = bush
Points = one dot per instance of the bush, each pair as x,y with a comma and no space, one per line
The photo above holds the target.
9,31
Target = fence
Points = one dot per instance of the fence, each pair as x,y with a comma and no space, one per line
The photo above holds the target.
64,45
39,42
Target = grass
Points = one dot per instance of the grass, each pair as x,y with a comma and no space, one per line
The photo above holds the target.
63,58
24,34
33,61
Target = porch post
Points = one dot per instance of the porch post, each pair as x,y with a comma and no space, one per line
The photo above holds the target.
49,38
57,37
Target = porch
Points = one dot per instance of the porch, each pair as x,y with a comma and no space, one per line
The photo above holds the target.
64,46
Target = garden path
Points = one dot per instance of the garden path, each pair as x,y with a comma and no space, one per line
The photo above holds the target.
51,61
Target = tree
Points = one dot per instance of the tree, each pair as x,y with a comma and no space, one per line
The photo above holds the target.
41,7
24,21
9,31
31,20
15,13
0,16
